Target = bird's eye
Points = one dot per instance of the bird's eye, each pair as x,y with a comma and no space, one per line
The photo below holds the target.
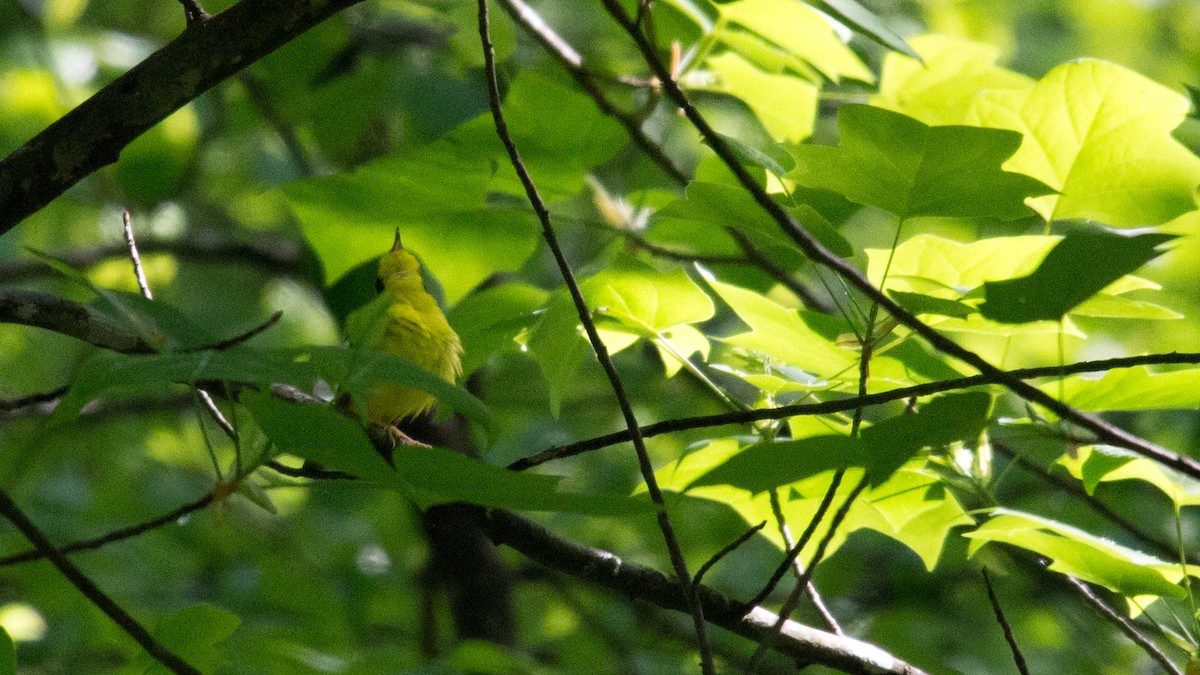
378,285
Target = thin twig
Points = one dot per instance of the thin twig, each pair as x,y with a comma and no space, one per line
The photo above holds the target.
794,599
647,469
114,536
785,533
570,59
90,590
10,404
1008,633
843,405
1123,625
244,337
816,251
726,550
130,242
781,570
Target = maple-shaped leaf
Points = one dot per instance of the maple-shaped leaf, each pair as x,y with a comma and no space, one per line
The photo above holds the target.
1101,136
903,166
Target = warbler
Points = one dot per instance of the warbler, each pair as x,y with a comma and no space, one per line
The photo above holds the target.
407,322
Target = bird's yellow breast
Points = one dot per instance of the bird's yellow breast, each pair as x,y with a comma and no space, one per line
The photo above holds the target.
416,330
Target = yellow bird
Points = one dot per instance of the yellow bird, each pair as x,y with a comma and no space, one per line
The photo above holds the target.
407,322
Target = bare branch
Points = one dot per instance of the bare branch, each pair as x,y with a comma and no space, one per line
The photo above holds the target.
1123,625
647,469
842,405
1008,634
802,643
90,590
92,135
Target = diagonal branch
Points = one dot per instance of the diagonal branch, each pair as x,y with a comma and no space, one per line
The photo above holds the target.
798,641
646,467
90,590
817,252
93,134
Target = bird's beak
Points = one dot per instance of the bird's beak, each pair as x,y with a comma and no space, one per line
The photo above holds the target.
396,245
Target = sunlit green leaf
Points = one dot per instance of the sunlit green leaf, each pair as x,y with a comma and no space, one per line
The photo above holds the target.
1093,465
1101,136
1131,389
902,166
1079,554
1069,275
797,30
780,334
939,90
645,299
786,105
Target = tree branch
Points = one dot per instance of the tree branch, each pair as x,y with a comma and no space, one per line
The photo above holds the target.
93,134
90,590
803,643
272,254
843,405
646,468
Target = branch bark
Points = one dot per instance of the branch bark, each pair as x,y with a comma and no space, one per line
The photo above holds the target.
92,135
805,644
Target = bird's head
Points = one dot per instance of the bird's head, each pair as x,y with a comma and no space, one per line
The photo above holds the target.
397,266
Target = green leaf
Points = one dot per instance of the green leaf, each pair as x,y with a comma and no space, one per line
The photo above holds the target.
359,369
157,323
490,320
786,105
106,372
559,131
644,299
558,348
1131,389
918,303
194,634
1080,554
939,88
881,449
862,20
719,207
772,158
781,334
440,476
797,30
1101,136
320,434
8,653
902,166
1093,465
765,466
1070,275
